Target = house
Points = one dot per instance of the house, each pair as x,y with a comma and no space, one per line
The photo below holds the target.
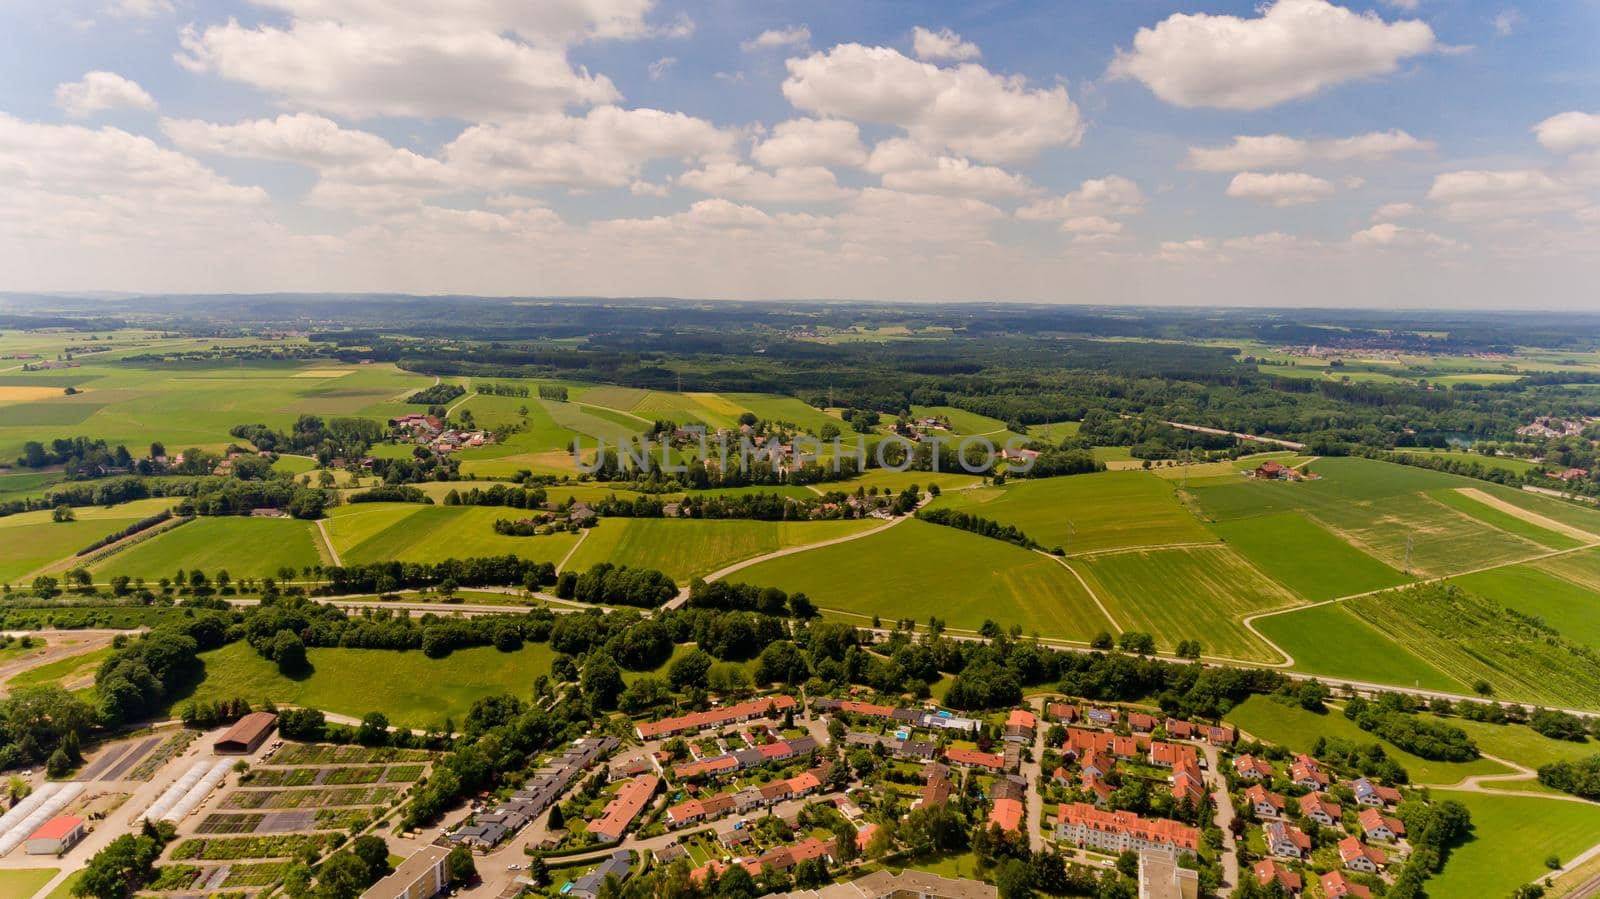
1337,886
1249,767
1141,723
733,714
626,805
1161,877
1270,470
1307,772
1061,711
733,837
246,735
1319,809
55,836
1270,871
1220,735
1287,841
1021,725
421,876
1573,474
916,749
619,865
936,789
1007,815
1178,730
1060,777
1170,755
1378,826
1102,791
1265,804
1187,784
1369,793
1093,763
1084,825
975,758
1103,717
1358,856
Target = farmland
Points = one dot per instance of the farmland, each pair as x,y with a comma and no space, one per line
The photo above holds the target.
1532,589
1511,837
692,548
378,532
244,547
1305,557
31,541
1330,641
1112,510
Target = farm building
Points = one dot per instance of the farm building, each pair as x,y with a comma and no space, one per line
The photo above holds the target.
246,735
422,876
55,836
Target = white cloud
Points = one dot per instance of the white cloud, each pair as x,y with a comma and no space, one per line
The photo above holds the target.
547,22
1388,212
788,36
1277,151
98,91
1110,196
660,67
905,165
1488,196
1279,188
340,154
1388,235
382,70
605,148
1275,243
648,189
807,142
965,109
942,45
811,184
1195,248
1569,131
1294,49
1407,5
1507,21
139,9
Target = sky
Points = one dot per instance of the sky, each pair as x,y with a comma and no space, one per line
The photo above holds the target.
1387,153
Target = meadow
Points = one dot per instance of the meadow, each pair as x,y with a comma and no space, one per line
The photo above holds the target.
1511,837
1570,608
915,569
379,532
1191,593
1524,525
244,547
1524,745
25,882
1305,557
1329,641
688,548
31,541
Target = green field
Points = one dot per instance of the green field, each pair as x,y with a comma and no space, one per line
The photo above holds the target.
1330,641
23,883
1196,593
1110,510
30,541
1511,836
962,422
72,672
407,532
1505,521
1306,558
412,689
1297,729
244,547
688,548
1570,608
1524,745
916,570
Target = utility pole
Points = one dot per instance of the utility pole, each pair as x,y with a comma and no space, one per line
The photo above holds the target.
1408,554
1070,531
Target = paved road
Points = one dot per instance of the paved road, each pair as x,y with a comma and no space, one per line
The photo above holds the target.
1219,795
1032,771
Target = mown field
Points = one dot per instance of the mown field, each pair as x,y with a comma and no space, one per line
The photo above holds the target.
1569,607
1305,557
1194,593
380,532
1111,510
688,548
244,547
32,541
916,570
1511,837
1329,641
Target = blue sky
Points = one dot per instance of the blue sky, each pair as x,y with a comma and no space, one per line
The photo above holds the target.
1391,153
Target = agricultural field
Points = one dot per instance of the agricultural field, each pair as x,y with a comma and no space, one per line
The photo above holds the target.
1087,513
414,691
1288,725
688,548
1178,594
1533,589
244,547
1511,837
915,569
1546,532
1329,641
964,423
1305,557
31,541
25,882
408,532
1524,745
75,672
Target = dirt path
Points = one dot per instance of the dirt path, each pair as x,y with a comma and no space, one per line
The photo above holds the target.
1086,588
58,645
327,542
1533,518
582,535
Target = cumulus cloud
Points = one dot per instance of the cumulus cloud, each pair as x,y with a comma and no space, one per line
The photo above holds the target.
547,22
1569,131
1388,235
139,9
966,109
1388,212
1502,195
788,36
340,154
905,165
809,184
1277,151
99,91
808,142
1294,49
660,67
1279,188
1110,196
942,45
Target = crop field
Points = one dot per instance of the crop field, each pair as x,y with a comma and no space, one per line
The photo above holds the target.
412,689
785,409
1111,510
962,422
1293,727
244,547
896,481
1571,608
72,672
1178,594
1511,837
1330,641
31,541
689,548
1305,557
375,532
1524,745
915,569
1511,519
1469,638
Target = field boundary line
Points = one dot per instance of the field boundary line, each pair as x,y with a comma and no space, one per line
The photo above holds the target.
582,536
1086,588
647,422
1527,515
459,403
327,542
1122,550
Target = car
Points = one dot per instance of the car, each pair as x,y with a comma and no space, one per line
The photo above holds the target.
513,867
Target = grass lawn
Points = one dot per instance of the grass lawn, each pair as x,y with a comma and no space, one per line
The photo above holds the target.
1328,640
688,548
1511,836
1297,729
1306,558
1570,608
412,689
1196,593
377,532
244,547
64,889
24,882
915,569
1524,745
1109,510
31,541
65,672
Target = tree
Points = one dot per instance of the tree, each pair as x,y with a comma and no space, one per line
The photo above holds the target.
462,868
343,876
538,871
374,729
1013,879
373,850
120,868
1102,640
1136,642
557,820
63,513
59,764
689,670
289,652
602,680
